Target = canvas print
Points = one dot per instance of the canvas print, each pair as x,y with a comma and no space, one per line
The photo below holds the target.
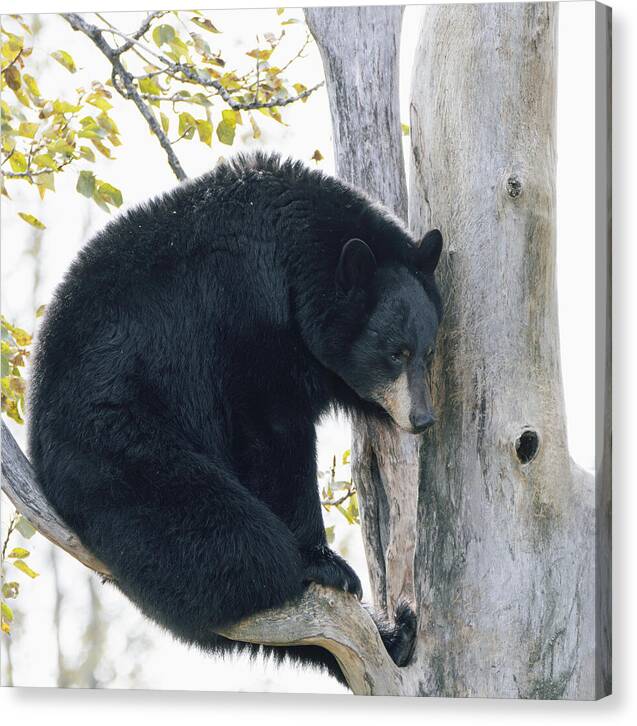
306,350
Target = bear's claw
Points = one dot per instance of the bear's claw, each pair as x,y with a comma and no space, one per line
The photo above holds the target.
324,566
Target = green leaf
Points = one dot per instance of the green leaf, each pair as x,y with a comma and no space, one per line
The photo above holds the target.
346,514
329,533
27,129
100,202
31,84
38,314
23,525
204,129
107,123
149,86
19,552
44,161
317,156
10,590
256,131
99,101
110,194
65,59
165,123
87,153
23,567
186,122
346,456
205,24
230,117
260,54
18,162
163,34
225,132
104,150
7,613
44,182
86,184
65,107
405,129
33,221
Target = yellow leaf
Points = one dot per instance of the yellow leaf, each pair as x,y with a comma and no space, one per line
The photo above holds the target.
317,156
256,131
205,24
65,59
261,55
23,567
33,221
204,128
19,552
18,162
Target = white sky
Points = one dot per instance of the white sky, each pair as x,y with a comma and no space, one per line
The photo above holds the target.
141,171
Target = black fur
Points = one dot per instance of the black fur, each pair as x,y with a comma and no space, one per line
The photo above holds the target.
179,374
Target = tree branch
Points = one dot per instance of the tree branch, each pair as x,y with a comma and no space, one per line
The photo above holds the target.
323,616
142,30
113,55
20,485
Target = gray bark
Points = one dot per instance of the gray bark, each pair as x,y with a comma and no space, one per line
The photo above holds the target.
504,567
506,551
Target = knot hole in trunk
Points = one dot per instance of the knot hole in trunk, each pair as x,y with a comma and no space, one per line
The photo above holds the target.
527,446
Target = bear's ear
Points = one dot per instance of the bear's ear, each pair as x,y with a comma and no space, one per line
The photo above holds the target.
356,265
428,254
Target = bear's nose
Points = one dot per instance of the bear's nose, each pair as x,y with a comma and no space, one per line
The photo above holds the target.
421,421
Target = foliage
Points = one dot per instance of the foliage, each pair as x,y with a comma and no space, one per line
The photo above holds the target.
16,344
17,556
338,490
42,135
169,68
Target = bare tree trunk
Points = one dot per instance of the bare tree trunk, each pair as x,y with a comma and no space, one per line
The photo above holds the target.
505,562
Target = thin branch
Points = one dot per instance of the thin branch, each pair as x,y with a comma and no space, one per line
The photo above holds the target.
10,528
323,616
335,502
30,174
194,76
141,31
95,34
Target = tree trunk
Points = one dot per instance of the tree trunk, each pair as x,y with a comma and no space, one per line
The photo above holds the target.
486,524
505,529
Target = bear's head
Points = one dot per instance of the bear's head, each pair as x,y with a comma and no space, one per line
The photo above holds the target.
388,360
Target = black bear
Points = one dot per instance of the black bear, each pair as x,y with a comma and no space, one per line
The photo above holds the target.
183,364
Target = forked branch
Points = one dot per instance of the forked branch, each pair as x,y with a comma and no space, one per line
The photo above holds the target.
330,618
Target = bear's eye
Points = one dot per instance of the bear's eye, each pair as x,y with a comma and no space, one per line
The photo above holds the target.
401,355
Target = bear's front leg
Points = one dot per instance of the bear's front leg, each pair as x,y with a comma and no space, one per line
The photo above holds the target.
324,566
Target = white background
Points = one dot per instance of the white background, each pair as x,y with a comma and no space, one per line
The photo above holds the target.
33,705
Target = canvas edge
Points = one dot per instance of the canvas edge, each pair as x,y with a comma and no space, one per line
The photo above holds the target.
603,350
